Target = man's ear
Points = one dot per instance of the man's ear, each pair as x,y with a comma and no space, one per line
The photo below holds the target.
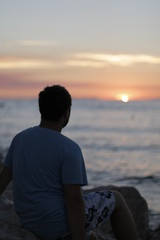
68,111
66,117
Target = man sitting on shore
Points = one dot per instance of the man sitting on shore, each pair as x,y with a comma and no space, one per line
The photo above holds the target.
48,171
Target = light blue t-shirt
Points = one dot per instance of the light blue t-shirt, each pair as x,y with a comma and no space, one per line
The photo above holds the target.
42,160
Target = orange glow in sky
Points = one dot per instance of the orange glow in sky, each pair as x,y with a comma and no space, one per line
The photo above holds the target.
95,52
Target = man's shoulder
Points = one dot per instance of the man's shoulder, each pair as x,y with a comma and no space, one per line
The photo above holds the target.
70,142
25,131
22,133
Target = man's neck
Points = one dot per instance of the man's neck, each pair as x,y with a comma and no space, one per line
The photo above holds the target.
56,126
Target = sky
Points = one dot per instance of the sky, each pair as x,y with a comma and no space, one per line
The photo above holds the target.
95,48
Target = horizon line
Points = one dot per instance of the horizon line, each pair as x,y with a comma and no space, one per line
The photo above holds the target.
82,98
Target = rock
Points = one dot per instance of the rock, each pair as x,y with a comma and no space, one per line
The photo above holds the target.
155,235
138,207
10,228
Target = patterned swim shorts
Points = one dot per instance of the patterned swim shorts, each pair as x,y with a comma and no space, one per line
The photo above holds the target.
98,208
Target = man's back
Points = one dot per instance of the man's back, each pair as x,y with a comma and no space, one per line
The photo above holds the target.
42,162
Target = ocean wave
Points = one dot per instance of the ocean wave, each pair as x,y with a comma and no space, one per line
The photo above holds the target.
125,130
2,104
140,180
121,148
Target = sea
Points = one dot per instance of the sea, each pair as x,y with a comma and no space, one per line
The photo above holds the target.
120,141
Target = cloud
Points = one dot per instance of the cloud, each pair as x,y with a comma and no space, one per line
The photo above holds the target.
26,64
32,43
84,59
84,63
81,60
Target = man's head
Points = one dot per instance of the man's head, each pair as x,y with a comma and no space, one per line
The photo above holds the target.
54,102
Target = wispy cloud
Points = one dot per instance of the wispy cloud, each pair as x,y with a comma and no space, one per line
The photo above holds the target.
26,64
32,43
85,63
79,60
101,60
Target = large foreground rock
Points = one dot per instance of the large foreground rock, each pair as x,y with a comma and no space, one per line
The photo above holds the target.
138,207
10,228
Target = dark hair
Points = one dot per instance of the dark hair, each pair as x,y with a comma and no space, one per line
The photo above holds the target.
53,102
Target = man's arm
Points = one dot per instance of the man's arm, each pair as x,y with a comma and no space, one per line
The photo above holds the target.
5,178
75,211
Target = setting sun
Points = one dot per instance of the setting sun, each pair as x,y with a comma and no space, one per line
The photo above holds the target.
124,98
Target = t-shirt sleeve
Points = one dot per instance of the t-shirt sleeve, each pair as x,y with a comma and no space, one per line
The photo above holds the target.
73,168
